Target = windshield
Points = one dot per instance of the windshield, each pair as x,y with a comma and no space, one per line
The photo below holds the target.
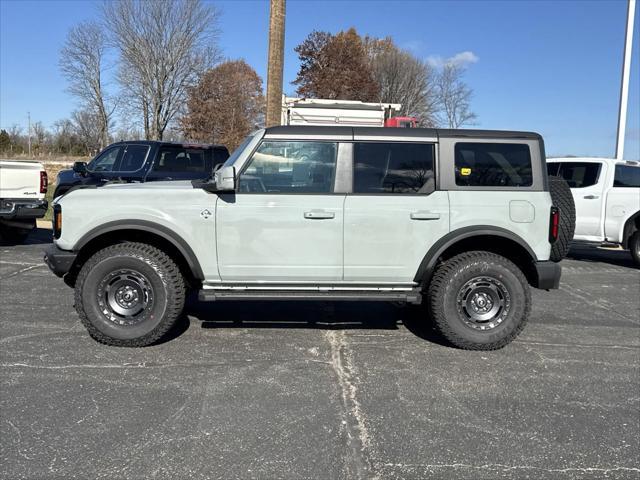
236,153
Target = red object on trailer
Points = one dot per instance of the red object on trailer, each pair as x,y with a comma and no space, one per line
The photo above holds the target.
401,122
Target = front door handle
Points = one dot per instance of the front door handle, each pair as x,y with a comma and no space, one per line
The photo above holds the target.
591,197
424,216
319,215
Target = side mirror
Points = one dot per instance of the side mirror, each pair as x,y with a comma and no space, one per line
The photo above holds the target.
80,167
225,179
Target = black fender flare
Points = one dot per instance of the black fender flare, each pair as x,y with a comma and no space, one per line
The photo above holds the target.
150,227
428,264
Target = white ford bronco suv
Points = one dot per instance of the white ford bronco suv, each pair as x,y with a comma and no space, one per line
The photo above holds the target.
460,220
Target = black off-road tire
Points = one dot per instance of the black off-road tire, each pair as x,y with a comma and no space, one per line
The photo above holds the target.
562,198
451,281
160,278
634,247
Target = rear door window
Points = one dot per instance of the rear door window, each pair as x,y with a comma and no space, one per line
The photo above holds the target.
393,168
580,174
627,177
493,165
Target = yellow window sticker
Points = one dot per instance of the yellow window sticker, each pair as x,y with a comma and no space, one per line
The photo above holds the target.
465,171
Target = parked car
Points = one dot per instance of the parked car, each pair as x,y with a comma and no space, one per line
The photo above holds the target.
23,186
460,220
144,161
606,193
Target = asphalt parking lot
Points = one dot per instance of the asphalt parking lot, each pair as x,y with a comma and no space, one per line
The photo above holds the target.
321,390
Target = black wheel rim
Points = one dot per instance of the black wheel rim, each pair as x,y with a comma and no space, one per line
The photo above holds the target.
125,297
483,303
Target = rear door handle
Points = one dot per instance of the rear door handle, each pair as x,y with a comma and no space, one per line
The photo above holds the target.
591,197
424,216
319,215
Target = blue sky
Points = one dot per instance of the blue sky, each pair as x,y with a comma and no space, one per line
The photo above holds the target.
548,66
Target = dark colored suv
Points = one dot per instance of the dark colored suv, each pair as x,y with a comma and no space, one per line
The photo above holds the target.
144,161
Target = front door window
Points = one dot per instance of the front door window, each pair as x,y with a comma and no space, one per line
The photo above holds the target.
290,167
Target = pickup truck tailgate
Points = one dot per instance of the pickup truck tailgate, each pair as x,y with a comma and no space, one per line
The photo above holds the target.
20,180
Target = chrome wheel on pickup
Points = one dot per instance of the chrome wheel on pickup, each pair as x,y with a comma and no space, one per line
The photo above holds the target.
129,294
479,300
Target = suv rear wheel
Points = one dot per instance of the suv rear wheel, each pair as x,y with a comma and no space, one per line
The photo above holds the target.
479,300
129,294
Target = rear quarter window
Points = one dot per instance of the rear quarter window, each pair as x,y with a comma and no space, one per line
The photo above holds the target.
493,165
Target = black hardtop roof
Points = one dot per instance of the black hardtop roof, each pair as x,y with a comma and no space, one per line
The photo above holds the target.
167,143
398,132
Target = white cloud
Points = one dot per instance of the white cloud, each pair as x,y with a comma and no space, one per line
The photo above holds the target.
415,46
461,59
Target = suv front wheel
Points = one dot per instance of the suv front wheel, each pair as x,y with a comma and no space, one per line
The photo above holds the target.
479,300
129,294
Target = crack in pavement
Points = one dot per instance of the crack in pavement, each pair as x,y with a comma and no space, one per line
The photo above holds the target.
601,303
26,269
358,439
503,467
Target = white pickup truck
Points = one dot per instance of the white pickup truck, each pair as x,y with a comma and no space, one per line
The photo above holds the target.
23,186
606,193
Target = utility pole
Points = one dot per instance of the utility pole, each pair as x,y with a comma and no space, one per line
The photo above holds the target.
275,63
624,87
29,132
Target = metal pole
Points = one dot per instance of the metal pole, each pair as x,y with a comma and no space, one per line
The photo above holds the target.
276,63
624,87
29,132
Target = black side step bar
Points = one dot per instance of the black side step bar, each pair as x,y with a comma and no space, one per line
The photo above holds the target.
213,295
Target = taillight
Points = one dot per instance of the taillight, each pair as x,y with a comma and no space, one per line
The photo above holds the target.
44,182
554,224
57,221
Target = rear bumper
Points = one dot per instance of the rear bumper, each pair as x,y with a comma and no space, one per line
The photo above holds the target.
59,261
19,208
548,274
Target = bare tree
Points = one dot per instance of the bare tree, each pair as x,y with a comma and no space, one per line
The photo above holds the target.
454,97
40,135
85,126
64,137
82,63
15,135
403,78
164,46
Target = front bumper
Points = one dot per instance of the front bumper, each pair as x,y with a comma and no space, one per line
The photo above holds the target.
548,274
19,208
59,261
